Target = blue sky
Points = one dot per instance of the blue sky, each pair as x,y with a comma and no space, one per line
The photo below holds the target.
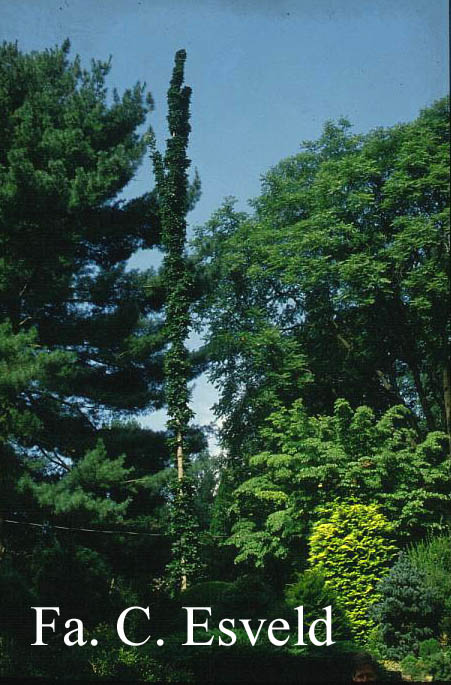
265,74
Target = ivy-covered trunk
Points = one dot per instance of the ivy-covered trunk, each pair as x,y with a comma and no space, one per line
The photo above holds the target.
172,185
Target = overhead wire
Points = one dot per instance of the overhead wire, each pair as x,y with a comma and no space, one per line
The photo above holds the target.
93,530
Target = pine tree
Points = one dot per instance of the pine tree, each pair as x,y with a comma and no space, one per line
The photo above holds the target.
409,610
81,341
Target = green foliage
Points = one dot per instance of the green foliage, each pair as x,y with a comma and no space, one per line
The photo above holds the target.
312,591
174,198
252,362
212,592
81,340
345,261
204,470
247,596
432,661
73,577
16,596
80,337
334,287
432,557
184,530
352,546
85,487
439,665
414,668
310,461
172,186
428,647
262,663
113,660
408,611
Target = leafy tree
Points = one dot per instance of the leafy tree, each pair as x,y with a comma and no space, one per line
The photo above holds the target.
81,336
82,339
310,461
253,363
172,186
345,261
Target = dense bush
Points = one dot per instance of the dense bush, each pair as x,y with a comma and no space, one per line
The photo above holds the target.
313,592
16,597
352,547
433,557
433,661
310,461
409,610
247,596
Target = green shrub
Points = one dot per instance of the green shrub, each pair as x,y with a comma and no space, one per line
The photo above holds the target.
408,612
415,668
433,558
210,593
251,594
247,596
428,647
113,660
434,661
353,548
439,665
312,592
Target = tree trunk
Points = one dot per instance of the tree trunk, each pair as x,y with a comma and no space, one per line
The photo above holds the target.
447,398
179,456
392,390
422,395
2,547
180,473
184,581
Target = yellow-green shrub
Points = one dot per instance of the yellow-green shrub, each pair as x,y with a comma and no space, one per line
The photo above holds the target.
352,546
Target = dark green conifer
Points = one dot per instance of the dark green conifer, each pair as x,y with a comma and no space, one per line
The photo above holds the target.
81,346
409,611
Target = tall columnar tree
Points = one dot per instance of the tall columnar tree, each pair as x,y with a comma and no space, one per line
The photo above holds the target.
172,185
173,192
